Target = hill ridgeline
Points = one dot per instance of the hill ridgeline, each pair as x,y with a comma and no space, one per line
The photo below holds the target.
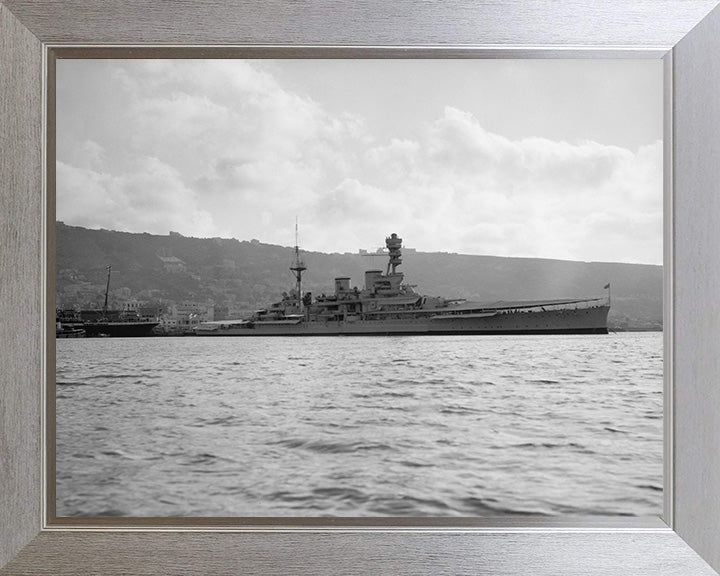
240,276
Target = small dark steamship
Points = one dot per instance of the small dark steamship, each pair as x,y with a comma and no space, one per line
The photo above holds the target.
104,323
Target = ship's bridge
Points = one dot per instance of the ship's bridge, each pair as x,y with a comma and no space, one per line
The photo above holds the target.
384,284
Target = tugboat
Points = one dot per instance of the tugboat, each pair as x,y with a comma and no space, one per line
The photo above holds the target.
68,331
388,306
105,323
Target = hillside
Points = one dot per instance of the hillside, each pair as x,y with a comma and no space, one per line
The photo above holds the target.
238,276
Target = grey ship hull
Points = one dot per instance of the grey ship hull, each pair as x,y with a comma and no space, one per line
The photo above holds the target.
387,306
591,320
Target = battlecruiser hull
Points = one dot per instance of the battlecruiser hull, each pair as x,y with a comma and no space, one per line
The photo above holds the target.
387,306
586,320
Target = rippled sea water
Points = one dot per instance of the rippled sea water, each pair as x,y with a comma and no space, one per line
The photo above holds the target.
360,426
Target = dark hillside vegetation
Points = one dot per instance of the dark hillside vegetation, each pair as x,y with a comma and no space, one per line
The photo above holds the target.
244,275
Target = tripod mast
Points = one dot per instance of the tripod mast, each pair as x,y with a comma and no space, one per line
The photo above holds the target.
298,267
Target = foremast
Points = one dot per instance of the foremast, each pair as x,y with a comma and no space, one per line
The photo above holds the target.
298,267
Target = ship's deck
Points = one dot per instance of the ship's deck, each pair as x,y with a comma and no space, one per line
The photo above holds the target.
517,304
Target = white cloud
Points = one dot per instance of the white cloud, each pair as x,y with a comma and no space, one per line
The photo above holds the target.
213,148
472,191
152,198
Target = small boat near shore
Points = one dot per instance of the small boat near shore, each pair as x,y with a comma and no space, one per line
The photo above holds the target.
68,331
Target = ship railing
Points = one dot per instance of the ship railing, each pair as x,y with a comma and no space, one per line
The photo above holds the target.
417,313
571,305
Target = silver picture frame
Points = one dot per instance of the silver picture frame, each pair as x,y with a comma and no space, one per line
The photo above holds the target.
685,33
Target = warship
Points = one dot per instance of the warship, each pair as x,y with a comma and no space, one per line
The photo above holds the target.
386,305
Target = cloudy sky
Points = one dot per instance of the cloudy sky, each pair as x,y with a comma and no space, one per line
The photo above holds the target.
542,158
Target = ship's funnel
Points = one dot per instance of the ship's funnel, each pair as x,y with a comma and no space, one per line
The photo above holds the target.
370,277
342,285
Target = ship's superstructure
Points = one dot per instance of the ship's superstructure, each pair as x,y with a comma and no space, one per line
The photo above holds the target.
386,305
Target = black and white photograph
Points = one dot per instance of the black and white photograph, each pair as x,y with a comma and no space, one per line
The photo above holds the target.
359,288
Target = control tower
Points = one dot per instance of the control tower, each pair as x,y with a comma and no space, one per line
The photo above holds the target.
393,244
